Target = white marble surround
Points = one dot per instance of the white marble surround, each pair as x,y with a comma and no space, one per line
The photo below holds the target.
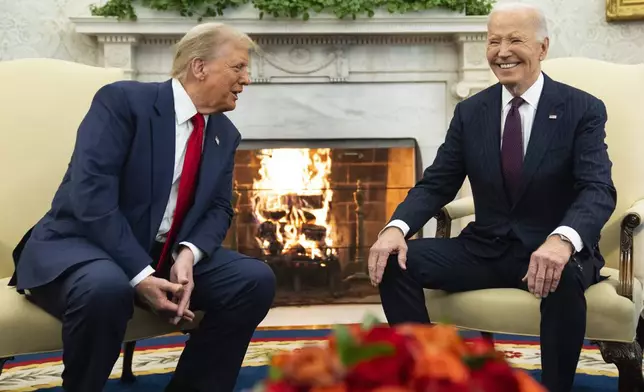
390,76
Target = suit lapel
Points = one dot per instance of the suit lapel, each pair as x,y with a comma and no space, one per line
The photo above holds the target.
549,115
491,113
163,146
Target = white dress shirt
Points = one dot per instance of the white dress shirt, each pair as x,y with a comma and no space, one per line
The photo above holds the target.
184,110
527,112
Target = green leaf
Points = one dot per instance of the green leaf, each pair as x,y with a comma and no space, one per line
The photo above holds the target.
476,362
364,353
198,9
275,373
344,339
369,320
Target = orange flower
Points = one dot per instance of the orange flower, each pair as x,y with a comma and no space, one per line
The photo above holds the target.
280,358
437,364
311,366
441,336
331,388
527,383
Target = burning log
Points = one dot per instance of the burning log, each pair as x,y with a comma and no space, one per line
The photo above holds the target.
267,233
314,232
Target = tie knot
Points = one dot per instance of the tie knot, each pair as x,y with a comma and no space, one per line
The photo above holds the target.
198,120
516,102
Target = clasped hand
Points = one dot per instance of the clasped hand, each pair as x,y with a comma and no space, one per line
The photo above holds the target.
546,266
390,241
171,299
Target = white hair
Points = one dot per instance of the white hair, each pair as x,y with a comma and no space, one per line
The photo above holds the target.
542,24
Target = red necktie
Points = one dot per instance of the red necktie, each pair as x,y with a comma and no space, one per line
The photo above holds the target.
187,185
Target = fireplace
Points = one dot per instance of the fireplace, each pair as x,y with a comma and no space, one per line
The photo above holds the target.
312,208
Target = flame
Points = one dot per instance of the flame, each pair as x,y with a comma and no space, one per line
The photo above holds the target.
291,202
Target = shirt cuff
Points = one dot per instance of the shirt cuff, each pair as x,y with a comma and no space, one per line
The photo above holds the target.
572,235
147,271
196,252
399,224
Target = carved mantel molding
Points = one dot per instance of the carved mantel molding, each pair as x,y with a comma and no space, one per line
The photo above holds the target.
320,50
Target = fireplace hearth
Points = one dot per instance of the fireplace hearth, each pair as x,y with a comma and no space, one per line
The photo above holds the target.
312,208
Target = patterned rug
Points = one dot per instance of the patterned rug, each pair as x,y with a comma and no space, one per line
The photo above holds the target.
155,359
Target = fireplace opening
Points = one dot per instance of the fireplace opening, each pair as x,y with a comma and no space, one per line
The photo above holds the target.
311,209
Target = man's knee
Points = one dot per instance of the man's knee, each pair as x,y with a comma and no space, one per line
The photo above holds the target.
571,283
102,291
259,286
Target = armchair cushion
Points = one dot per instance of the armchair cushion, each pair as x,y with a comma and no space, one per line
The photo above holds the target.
610,316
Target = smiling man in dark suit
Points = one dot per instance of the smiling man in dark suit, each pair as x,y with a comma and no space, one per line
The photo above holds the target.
141,215
534,152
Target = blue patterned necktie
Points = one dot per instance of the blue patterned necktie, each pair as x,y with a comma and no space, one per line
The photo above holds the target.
512,149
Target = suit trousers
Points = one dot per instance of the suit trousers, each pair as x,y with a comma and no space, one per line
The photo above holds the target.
447,264
94,300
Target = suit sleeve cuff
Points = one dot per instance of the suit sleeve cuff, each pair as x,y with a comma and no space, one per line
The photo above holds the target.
196,252
399,224
572,235
147,271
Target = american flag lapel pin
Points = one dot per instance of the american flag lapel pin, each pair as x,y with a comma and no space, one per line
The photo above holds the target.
552,116
217,139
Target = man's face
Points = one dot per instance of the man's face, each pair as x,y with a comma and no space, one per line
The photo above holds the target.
513,52
225,77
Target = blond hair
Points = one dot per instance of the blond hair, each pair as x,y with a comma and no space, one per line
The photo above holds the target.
203,42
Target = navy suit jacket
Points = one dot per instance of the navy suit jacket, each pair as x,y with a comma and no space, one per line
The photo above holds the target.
113,196
566,174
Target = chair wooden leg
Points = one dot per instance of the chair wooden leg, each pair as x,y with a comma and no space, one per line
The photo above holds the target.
3,361
628,359
127,377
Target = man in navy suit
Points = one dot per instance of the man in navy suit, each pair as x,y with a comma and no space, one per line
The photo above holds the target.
141,215
534,152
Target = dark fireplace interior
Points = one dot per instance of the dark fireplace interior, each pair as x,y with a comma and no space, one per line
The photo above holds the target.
311,209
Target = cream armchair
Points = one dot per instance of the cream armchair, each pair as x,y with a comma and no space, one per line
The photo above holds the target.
43,102
614,305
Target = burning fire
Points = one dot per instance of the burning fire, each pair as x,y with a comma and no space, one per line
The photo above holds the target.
291,201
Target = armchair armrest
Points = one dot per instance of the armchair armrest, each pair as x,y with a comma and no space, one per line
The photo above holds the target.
631,220
459,208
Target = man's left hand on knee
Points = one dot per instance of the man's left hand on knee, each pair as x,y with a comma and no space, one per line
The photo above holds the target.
546,265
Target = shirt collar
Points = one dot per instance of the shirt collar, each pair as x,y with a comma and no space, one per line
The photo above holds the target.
531,96
184,109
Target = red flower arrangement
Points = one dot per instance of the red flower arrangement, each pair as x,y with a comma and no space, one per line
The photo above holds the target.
405,358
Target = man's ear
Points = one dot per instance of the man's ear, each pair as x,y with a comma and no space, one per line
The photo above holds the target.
197,68
544,48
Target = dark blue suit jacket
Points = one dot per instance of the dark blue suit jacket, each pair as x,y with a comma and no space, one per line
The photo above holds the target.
113,196
566,176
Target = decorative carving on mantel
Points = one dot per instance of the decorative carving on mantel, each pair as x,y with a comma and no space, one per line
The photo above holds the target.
423,47
118,52
473,69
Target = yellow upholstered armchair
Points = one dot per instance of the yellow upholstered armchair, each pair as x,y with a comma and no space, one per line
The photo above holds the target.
43,102
614,305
